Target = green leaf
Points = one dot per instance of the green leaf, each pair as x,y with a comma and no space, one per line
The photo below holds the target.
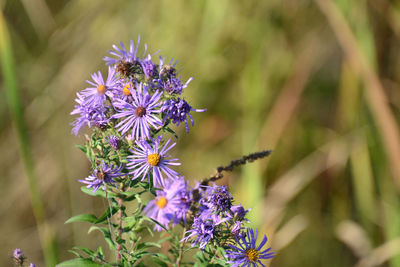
98,193
82,148
82,218
80,262
107,235
172,132
159,262
85,250
107,214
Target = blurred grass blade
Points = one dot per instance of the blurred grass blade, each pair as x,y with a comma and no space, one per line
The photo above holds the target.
16,111
289,185
363,180
375,93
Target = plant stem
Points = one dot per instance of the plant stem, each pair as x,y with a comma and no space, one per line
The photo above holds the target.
181,245
120,202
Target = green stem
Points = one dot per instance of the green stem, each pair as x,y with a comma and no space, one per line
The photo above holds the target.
17,114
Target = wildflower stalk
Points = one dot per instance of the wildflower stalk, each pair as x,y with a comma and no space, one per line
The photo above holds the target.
181,246
130,110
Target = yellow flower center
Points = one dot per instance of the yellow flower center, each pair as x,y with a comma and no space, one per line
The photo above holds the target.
126,90
153,159
101,89
252,254
161,202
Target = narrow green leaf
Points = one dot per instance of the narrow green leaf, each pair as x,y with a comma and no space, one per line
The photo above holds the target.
80,262
107,214
82,218
107,235
159,262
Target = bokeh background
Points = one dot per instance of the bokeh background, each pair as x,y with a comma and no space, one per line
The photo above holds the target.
317,81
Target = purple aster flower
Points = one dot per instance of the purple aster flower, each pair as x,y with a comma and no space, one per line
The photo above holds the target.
185,199
172,85
167,204
178,110
124,91
139,115
114,142
148,67
18,257
90,115
101,89
121,54
153,158
102,176
204,230
246,253
238,212
219,199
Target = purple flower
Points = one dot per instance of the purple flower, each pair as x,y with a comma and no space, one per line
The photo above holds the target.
204,230
18,257
90,115
172,85
102,176
238,212
246,253
178,110
148,67
139,115
114,142
153,158
121,54
32,265
97,94
124,91
185,199
167,205
219,199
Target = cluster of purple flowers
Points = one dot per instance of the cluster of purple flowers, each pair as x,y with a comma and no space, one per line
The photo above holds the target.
136,101
208,214
136,95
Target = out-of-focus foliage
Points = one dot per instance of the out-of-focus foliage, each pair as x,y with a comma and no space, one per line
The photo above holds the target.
304,78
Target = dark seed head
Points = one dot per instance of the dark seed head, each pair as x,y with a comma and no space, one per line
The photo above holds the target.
124,68
140,111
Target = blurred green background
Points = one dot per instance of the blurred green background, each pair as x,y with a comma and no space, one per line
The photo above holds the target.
317,81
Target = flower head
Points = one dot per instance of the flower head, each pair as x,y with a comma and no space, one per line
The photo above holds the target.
139,115
90,115
100,89
149,68
219,199
204,230
103,175
18,257
114,142
167,205
122,55
147,159
178,110
246,253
